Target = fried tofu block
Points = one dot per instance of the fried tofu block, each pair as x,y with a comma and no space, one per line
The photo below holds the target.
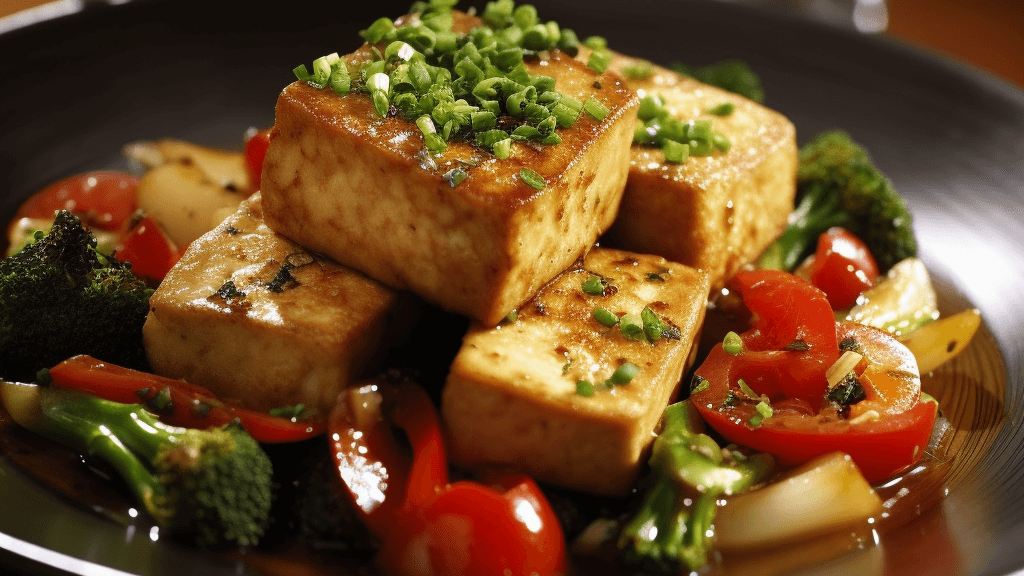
511,395
265,323
717,212
361,189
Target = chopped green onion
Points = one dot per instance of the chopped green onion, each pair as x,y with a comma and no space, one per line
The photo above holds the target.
512,316
502,148
624,374
455,176
631,327
640,70
723,109
596,108
380,85
599,60
382,29
721,142
675,152
764,409
698,384
747,390
593,285
531,178
340,81
605,317
595,42
585,388
653,326
732,344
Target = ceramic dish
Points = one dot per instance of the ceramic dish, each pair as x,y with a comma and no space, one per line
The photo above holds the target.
79,86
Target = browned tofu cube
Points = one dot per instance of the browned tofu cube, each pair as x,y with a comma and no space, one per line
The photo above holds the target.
361,189
264,323
512,399
716,212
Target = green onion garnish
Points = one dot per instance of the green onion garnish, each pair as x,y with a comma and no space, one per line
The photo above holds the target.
531,178
675,152
632,327
653,326
596,109
585,388
732,344
593,285
599,60
595,42
455,176
605,317
747,390
641,70
624,374
698,384
723,109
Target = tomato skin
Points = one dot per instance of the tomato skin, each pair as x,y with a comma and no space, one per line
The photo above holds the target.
255,153
102,199
842,267
804,426
151,252
127,386
428,526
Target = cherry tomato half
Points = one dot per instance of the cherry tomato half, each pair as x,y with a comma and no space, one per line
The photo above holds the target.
151,252
101,199
884,432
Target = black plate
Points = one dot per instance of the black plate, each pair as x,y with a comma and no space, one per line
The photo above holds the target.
77,87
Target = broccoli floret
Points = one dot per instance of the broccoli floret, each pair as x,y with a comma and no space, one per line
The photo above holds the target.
837,185
732,75
209,487
60,297
667,535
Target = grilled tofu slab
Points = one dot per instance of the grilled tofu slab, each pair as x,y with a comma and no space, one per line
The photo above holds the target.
511,397
717,212
265,323
361,189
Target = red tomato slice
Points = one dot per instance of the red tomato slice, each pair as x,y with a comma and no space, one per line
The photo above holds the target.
102,199
842,267
255,152
151,252
884,433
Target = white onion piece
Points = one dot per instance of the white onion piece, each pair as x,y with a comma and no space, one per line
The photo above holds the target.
821,496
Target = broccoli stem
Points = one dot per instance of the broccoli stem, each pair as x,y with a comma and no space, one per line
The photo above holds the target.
101,429
814,214
669,533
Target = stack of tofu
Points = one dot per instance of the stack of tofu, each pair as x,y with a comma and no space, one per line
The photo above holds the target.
293,297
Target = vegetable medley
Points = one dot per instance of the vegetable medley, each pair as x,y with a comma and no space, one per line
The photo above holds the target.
831,329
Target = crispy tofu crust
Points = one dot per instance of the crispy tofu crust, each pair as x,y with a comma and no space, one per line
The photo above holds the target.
346,183
510,398
717,212
302,327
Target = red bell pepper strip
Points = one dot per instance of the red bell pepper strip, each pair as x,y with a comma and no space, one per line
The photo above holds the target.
426,525
176,402
255,152
884,431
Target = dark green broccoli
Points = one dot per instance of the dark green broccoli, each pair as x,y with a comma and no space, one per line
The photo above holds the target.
732,75
209,487
838,185
60,297
667,535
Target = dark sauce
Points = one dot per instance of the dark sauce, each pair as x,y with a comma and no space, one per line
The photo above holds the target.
910,530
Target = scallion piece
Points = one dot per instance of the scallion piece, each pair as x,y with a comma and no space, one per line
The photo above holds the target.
455,176
640,70
675,152
599,60
632,327
595,42
732,344
502,148
653,326
596,109
593,285
531,178
585,388
624,374
380,30
605,317
723,109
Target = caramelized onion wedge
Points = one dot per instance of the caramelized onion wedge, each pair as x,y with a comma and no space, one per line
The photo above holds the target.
22,402
936,343
822,496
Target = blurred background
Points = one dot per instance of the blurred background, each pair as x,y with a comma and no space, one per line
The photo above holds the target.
987,34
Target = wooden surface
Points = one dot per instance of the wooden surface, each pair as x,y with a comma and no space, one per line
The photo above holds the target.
988,34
